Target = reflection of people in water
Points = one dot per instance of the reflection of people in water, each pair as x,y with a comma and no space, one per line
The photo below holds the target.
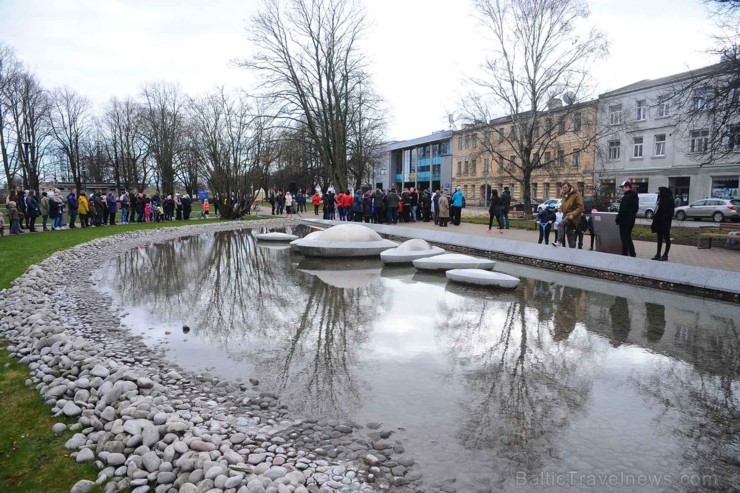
620,315
655,315
564,321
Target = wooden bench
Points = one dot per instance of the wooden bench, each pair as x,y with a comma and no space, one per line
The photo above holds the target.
720,232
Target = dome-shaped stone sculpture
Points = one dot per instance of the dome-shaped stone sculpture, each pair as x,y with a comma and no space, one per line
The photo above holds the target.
449,261
478,277
409,251
310,236
344,240
275,236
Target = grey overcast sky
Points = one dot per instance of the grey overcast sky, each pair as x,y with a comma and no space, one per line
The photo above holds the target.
418,50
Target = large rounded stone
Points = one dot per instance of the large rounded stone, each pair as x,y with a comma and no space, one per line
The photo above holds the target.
449,261
344,240
352,233
478,277
275,236
409,251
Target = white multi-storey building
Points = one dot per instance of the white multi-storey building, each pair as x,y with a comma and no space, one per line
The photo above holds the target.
645,136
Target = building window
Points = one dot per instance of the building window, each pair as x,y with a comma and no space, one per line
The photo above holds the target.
641,110
512,135
500,135
615,114
547,191
581,188
459,168
733,138
467,141
487,138
460,143
577,122
512,162
699,140
664,108
576,158
536,130
501,163
548,159
485,166
725,187
475,141
472,167
534,190
660,145
561,158
614,146
700,98
465,168
561,126
637,147
548,125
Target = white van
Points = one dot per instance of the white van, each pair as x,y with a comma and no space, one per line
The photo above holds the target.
648,204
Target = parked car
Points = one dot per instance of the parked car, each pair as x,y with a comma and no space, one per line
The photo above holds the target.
710,208
547,203
648,204
516,205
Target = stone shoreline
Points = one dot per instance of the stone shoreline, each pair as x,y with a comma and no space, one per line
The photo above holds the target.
152,426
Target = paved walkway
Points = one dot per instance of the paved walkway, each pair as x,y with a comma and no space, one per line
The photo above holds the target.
714,258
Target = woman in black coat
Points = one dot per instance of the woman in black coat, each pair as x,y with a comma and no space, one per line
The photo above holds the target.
496,210
662,221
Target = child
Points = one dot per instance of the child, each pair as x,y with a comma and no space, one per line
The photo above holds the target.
147,212
15,218
160,213
559,238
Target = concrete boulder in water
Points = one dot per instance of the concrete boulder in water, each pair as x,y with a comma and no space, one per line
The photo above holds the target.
449,261
409,251
344,240
478,277
275,236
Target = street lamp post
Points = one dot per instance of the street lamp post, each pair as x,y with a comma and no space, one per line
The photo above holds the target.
485,187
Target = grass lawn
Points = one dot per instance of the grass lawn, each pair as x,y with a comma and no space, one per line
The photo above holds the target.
32,458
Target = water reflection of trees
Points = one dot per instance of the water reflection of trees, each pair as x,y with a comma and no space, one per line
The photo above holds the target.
302,334
524,387
700,403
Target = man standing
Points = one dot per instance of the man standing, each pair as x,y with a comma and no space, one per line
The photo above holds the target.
456,205
72,207
572,207
506,199
626,216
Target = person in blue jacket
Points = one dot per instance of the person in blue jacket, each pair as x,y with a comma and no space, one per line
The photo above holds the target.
72,207
112,209
456,205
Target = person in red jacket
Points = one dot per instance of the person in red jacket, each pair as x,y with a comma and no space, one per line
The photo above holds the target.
349,201
316,200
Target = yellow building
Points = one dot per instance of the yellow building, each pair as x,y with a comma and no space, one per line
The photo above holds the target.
563,143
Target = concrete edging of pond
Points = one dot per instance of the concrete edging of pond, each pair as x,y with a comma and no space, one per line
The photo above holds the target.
688,279
149,423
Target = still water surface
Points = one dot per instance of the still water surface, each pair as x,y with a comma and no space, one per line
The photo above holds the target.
562,382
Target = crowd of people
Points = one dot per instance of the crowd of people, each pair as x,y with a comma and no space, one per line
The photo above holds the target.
24,209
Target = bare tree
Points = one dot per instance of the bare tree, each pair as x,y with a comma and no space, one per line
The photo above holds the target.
230,142
366,136
29,109
164,114
311,67
540,52
10,68
71,125
710,98
127,147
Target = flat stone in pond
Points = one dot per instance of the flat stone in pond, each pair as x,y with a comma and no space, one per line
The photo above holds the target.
409,251
274,236
478,277
449,261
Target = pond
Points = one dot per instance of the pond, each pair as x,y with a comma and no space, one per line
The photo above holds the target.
565,382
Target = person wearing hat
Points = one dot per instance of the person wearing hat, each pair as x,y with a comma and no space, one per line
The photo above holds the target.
626,216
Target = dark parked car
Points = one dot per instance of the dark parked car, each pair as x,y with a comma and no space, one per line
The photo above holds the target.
516,205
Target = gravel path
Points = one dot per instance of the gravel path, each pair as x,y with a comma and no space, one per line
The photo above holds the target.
152,426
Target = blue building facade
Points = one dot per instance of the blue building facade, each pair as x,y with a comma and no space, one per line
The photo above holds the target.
423,163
